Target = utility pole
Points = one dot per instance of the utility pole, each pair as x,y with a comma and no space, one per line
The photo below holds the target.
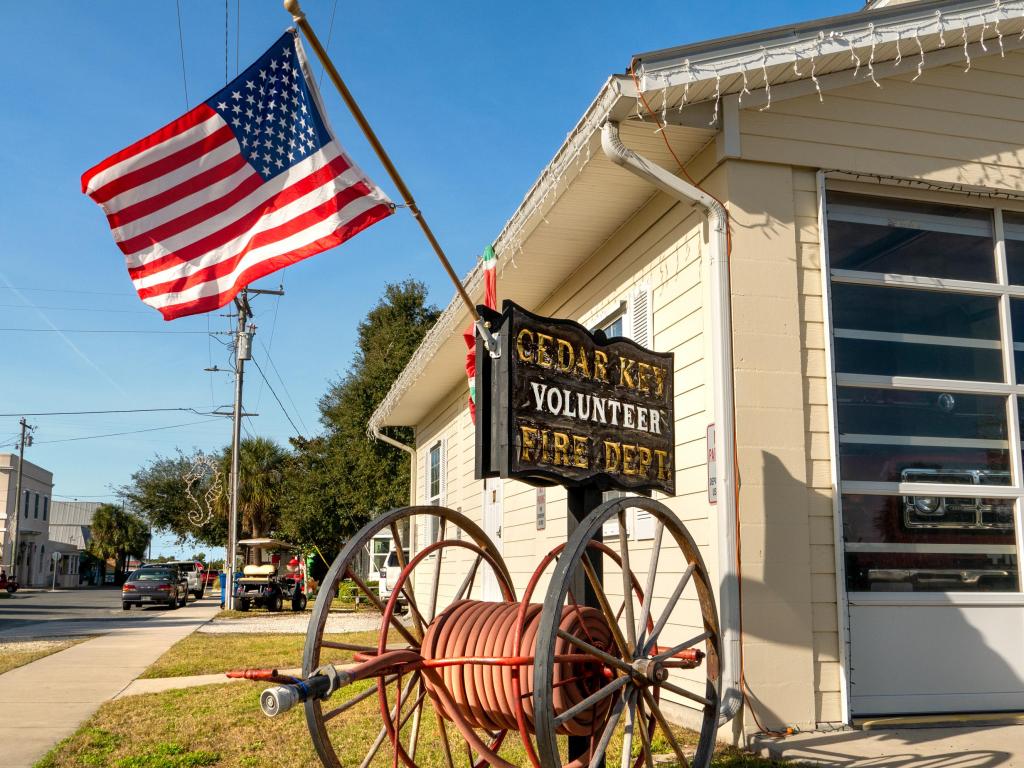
26,439
243,352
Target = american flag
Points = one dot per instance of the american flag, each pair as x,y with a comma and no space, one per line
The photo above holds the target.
246,183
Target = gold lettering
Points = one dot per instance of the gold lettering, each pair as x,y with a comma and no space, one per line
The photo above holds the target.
582,366
663,464
628,456
566,356
600,366
543,359
528,442
626,372
645,460
641,384
561,450
611,450
659,380
580,452
526,355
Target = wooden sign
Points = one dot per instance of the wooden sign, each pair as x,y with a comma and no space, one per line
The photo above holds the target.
564,405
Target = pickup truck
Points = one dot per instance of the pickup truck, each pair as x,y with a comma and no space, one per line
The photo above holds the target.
193,570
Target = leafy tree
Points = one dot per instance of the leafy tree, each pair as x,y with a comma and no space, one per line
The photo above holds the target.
336,482
118,535
159,492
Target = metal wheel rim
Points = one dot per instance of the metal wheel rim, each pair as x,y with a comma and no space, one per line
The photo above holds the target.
321,608
546,739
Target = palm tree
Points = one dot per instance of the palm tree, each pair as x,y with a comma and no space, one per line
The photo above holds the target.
117,534
261,469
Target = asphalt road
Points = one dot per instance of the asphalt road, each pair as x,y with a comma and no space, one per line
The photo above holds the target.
71,612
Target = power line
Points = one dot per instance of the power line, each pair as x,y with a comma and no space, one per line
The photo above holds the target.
283,410
285,386
89,330
75,309
93,413
130,432
181,47
61,290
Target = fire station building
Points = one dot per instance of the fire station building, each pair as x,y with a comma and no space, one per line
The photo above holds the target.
848,336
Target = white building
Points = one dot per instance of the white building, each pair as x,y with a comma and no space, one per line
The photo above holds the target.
29,524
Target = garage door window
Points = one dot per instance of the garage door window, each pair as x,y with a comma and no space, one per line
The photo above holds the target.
928,349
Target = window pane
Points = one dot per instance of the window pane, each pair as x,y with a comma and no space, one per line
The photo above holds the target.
435,471
906,332
929,544
910,238
614,328
910,436
1013,228
1017,324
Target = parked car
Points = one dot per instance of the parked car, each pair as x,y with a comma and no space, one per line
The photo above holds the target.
211,577
193,570
389,576
154,585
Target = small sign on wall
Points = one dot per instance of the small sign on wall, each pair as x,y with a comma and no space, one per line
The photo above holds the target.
542,513
712,447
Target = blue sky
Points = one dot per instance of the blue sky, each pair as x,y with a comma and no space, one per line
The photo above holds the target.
470,99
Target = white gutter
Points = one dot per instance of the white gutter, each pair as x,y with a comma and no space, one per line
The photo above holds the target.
375,432
721,344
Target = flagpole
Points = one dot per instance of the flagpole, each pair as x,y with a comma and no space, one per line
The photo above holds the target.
292,6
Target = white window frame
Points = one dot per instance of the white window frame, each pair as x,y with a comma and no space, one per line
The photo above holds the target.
1000,289
440,498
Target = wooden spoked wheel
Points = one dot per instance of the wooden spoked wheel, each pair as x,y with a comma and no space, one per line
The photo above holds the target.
350,722
665,641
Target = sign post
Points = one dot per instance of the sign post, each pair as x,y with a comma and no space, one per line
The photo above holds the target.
563,405
55,556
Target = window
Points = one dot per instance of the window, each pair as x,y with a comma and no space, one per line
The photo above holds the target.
46,506
437,481
28,498
924,327
35,512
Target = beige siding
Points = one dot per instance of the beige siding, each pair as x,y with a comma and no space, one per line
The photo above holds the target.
949,125
789,591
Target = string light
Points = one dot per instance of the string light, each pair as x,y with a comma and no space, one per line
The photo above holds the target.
967,53
920,61
999,33
871,58
899,52
767,83
718,97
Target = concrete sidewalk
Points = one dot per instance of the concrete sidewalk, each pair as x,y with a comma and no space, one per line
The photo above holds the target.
48,699
996,746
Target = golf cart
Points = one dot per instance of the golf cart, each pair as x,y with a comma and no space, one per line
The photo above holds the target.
275,576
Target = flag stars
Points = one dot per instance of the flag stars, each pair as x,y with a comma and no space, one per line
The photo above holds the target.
263,74
222,105
236,95
250,84
273,64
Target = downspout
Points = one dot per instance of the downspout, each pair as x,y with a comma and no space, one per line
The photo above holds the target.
375,432
721,343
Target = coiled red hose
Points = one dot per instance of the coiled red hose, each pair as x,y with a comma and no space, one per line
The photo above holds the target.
483,693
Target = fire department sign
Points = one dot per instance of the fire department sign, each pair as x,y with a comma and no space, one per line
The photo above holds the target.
562,404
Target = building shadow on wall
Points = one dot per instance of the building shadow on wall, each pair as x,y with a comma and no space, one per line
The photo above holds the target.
778,601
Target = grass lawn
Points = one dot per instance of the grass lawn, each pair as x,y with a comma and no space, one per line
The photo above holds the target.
222,726
14,655
206,654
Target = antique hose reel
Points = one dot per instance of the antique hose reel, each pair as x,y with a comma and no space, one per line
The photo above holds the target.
582,677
